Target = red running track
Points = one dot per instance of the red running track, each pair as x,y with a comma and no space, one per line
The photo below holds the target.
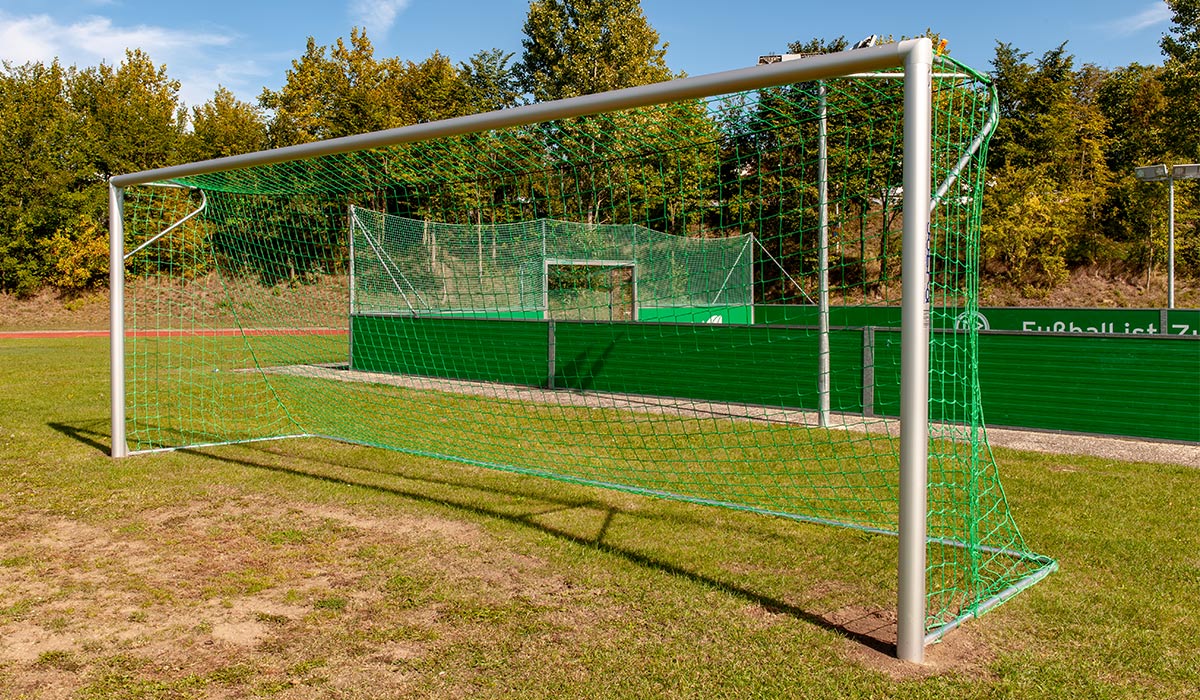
176,333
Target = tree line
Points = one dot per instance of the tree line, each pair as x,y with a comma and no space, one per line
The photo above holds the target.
1061,192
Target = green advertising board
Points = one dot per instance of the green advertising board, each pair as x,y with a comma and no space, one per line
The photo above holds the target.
1095,321
499,350
1183,322
1133,384
709,362
1028,320
839,316
1137,385
1024,319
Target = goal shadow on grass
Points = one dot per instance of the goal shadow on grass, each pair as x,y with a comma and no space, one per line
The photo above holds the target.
867,628
85,434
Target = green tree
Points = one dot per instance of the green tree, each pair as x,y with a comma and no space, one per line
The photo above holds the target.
358,87
1131,99
131,115
132,120
581,47
226,126
1028,223
1133,104
77,253
490,80
301,110
818,45
1050,148
63,133
350,91
43,171
1181,79
427,91
1181,86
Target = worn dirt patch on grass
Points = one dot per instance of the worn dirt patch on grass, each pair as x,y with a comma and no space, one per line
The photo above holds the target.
963,652
246,594
286,589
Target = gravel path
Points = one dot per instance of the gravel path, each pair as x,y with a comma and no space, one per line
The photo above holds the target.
1121,448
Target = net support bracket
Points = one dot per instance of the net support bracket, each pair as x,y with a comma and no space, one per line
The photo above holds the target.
782,269
150,241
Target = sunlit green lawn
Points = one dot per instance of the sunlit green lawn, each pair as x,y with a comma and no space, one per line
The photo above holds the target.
309,568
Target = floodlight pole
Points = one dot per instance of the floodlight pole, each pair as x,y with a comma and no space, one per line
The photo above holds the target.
1170,238
1158,173
116,323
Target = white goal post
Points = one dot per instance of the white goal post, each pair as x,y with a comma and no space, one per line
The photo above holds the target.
914,57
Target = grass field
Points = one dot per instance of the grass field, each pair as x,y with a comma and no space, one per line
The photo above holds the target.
310,569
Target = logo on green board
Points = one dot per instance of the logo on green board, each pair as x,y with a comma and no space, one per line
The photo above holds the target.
967,319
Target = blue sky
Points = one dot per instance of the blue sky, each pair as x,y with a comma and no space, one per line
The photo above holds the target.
248,45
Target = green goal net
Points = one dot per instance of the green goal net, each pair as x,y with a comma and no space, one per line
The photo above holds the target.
608,296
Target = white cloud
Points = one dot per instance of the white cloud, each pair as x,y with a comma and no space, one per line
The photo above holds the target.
243,78
93,39
1152,15
243,72
195,58
23,40
377,16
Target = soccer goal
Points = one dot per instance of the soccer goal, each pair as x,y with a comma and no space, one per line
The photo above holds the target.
546,269
642,290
